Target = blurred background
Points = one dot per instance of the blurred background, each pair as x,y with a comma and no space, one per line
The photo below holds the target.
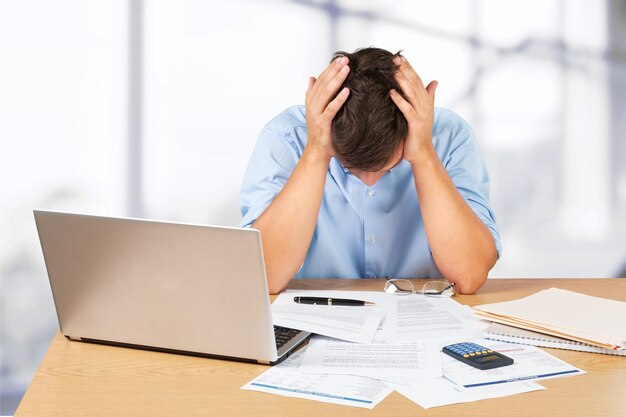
151,109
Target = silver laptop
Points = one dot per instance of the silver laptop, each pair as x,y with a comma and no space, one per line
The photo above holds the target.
181,288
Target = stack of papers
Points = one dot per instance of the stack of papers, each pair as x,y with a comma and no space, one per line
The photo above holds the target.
400,318
354,324
367,352
564,314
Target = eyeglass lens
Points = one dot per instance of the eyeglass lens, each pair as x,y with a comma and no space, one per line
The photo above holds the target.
399,286
431,288
438,288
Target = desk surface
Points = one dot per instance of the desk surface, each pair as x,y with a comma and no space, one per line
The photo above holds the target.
81,379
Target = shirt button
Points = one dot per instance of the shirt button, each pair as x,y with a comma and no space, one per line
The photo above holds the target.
371,193
373,238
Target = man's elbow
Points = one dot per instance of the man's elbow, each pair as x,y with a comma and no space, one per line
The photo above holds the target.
468,283
470,279
472,276
274,289
276,283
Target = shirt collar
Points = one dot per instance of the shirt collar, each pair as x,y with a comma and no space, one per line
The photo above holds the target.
347,171
344,169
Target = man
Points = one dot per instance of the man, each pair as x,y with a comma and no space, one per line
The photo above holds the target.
368,180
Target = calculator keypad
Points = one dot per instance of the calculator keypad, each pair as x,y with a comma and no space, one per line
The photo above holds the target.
469,349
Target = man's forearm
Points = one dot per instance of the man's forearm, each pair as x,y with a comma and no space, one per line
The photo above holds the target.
287,225
462,246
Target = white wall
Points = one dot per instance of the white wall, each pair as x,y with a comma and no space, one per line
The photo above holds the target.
62,146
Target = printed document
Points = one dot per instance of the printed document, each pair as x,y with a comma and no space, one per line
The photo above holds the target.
531,363
415,317
436,392
393,362
285,379
354,324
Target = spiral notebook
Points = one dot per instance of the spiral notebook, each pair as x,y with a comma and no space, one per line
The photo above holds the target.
504,333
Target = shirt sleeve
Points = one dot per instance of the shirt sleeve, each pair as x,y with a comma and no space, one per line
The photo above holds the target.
273,159
468,172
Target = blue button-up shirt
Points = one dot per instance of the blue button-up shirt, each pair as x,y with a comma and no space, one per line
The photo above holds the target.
366,231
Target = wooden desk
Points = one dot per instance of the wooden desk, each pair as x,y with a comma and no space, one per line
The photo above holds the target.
80,379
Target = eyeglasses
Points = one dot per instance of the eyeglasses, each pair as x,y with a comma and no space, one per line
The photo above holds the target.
431,288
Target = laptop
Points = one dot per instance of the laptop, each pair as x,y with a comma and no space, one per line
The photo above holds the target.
171,287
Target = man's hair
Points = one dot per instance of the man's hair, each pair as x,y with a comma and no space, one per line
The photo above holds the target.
369,127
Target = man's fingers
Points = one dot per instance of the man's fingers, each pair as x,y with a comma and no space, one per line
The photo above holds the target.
333,68
324,90
407,70
430,89
331,86
404,106
408,88
334,106
330,71
311,82
411,84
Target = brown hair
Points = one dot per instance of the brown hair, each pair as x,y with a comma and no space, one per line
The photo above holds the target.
369,127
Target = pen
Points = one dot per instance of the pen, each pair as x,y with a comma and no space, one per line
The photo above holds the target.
331,301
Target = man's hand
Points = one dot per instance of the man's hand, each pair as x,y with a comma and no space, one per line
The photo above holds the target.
460,243
321,108
418,110
288,223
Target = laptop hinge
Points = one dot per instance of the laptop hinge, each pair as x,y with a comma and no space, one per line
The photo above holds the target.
78,339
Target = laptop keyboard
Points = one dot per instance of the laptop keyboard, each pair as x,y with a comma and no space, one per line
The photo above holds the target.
284,335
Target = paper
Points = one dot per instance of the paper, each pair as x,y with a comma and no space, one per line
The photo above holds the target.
526,325
394,362
436,392
354,324
511,334
531,363
416,317
566,314
285,379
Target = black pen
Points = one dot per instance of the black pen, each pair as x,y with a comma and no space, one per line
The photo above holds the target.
331,301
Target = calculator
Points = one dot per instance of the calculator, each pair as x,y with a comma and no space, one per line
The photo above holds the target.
477,356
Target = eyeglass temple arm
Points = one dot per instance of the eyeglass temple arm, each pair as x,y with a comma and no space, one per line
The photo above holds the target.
447,288
392,282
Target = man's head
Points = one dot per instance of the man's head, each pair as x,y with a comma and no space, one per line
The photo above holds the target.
369,129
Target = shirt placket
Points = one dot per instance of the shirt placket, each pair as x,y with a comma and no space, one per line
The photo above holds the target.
371,234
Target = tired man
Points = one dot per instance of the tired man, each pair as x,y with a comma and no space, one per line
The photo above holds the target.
368,180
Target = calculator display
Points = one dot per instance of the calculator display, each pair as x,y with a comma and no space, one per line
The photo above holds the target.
489,358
